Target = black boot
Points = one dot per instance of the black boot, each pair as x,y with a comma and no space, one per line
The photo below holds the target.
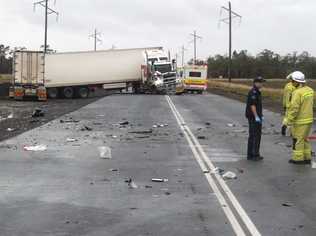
297,162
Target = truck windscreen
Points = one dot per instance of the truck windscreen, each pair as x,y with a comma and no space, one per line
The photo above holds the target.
163,68
195,74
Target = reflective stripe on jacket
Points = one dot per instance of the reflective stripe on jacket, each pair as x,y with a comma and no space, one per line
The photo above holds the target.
287,94
301,108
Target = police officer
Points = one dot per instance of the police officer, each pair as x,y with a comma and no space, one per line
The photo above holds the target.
287,96
300,117
255,119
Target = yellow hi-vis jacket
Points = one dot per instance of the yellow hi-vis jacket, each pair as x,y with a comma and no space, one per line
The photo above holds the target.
287,95
301,109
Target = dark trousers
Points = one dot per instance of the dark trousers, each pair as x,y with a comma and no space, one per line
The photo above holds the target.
254,139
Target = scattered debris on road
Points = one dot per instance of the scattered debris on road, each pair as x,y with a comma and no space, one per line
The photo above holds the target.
37,148
38,113
105,152
131,184
71,140
10,129
201,137
124,123
229,175
218,170
10,116
69,121
86,128
114,170
287,204
159,180
150,131
231,125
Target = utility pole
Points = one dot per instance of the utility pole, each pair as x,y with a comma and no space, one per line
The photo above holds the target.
182,51
228,21
96,38
195,37
48,11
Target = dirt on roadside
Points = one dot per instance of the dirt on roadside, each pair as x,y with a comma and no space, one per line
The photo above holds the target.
268,104
16,116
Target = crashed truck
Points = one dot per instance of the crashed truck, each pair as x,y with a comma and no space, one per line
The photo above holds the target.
76,74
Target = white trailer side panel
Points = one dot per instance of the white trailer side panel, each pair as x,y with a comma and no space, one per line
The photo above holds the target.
94,68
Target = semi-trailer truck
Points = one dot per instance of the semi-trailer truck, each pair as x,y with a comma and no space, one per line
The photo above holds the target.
74,74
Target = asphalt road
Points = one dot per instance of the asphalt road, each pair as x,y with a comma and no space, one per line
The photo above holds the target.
69,190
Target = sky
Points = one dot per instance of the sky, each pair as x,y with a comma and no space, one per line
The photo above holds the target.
283,26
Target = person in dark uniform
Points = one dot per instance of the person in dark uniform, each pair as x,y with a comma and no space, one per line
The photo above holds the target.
255,118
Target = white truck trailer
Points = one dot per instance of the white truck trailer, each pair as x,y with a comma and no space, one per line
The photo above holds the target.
74,74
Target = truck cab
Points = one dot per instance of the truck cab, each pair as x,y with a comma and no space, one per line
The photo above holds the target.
163,70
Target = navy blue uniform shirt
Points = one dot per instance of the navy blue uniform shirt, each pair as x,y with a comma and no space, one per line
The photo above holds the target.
254,98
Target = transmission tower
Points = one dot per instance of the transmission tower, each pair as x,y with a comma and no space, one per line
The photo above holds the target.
228,20
48,11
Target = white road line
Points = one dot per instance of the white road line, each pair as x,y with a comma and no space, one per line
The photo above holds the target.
202,158
224,205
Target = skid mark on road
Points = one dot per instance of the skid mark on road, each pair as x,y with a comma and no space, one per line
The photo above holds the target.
226,198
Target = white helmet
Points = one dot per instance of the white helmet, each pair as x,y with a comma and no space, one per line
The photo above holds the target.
298,77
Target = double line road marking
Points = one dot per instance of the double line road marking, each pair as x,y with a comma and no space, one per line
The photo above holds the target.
237,216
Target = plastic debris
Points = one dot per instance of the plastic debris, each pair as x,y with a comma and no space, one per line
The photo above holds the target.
159,180
86,128
10,129
124,123
105,152
231,125
131,184
37,148
155,126
114,170
142,132
207,123
69,121
10,116
71,140
201,137
218,170
229,175
287,204
38,113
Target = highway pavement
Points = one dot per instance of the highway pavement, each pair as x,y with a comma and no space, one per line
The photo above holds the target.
190,141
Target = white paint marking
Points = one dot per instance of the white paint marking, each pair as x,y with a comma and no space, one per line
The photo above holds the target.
201,157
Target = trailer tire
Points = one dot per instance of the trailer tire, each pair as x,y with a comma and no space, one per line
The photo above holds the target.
83,92
52,93
68,92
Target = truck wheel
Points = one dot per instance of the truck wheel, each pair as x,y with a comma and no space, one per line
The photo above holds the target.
68,92
83,92
52,93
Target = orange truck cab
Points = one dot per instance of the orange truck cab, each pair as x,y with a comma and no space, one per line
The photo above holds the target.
195,78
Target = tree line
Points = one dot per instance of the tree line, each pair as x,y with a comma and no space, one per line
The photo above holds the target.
267,64
5,59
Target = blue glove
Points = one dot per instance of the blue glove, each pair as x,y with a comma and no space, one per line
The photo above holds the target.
258,120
